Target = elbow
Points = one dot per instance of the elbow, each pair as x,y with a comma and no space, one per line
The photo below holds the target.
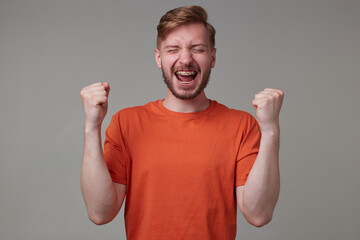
99,220
258,216
259,221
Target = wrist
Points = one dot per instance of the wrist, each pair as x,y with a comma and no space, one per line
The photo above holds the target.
271,131
92,127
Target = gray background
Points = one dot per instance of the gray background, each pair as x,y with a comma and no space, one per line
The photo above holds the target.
50,49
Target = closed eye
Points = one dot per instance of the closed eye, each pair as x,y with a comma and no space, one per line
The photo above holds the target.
198,50
172,50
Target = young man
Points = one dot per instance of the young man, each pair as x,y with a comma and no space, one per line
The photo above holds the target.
184,162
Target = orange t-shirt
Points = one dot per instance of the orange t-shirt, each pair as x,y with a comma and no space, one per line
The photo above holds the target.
181,169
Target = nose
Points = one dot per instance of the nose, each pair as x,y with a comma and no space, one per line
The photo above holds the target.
185,58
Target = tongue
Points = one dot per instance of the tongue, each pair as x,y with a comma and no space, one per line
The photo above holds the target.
185,78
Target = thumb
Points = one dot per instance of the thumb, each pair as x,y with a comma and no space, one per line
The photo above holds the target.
255,104
107,87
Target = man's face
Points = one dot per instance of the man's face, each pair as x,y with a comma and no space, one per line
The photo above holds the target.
186,57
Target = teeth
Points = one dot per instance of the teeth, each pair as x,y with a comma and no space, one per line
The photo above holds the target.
185,73
185,83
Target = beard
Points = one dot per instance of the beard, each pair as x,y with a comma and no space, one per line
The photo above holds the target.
190,95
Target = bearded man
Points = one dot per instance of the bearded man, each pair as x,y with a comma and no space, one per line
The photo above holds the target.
184,162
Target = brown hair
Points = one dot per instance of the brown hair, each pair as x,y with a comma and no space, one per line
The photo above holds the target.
184,15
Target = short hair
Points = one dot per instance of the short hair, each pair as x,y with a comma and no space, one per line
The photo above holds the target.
181,16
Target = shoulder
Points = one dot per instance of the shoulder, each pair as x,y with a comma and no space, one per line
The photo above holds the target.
136,111
233,114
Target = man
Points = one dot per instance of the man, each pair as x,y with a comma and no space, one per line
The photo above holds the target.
184,162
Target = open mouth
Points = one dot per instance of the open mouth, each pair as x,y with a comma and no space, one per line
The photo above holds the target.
186,76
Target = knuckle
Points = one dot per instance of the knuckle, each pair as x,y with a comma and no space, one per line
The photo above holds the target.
83,91
279,91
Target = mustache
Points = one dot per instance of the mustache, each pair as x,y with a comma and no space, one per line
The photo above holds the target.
191,67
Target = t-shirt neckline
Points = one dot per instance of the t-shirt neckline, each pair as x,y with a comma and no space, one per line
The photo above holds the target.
160,105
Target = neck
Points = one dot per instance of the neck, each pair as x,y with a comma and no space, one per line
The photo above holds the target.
197,104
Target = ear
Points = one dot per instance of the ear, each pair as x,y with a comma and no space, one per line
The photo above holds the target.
158,58
213,58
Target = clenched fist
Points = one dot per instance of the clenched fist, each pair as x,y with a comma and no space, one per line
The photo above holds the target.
268,104
95,103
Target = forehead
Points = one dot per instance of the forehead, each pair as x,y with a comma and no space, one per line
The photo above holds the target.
193,33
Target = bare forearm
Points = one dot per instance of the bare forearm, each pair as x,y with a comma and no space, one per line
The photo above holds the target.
96,183
258,197
262,187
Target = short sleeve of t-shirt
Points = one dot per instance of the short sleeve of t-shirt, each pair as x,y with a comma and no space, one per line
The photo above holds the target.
115,151
248,150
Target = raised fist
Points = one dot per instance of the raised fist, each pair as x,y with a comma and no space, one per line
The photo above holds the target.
95,103
268,104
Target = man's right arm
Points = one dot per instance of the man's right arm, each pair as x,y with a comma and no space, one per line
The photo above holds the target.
103,198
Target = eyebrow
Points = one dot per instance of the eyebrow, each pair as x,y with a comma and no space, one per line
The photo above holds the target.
171,46
192,46
199,45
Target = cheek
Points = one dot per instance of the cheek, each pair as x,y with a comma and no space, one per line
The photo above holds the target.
205,63
168,62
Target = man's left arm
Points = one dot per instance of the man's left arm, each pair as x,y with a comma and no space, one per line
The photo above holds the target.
258,197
